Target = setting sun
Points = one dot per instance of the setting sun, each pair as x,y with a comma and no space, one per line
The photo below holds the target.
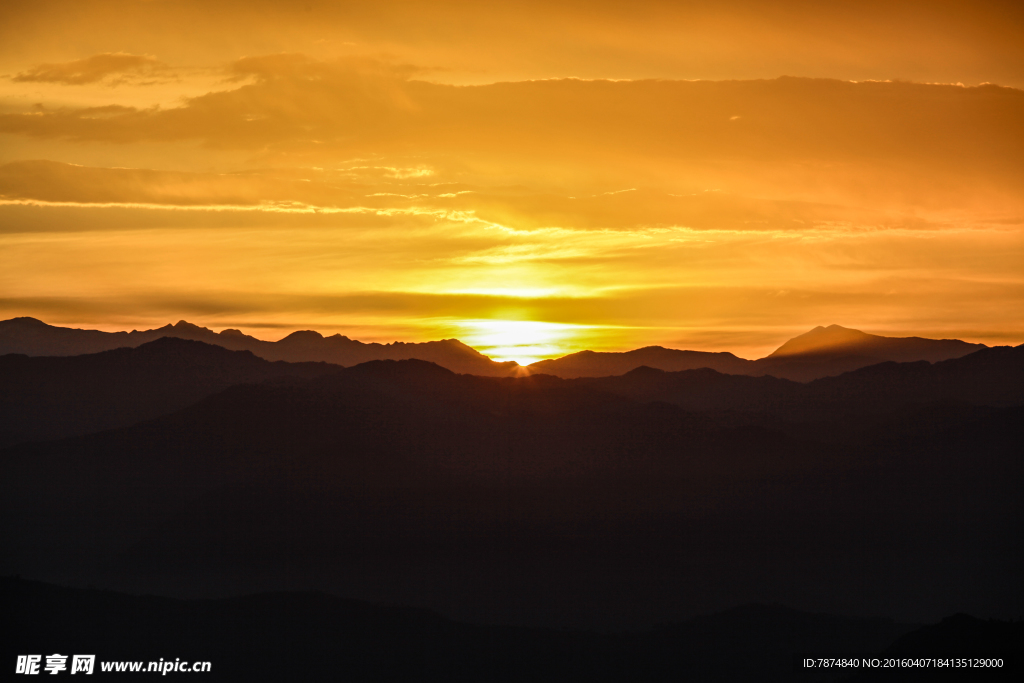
523,341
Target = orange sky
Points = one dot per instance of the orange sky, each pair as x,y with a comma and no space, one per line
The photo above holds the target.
534,178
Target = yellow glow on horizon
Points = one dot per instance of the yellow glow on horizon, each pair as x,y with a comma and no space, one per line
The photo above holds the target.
524,341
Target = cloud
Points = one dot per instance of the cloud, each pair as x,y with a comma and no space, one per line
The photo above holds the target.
91,69
401,191
795,137
920,40
48,181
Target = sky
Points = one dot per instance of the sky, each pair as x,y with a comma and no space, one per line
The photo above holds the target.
533,178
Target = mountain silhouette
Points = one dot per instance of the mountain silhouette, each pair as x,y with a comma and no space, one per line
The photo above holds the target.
50,397
991,376
603,364
822,352
611,502
313,636
841,341
35,338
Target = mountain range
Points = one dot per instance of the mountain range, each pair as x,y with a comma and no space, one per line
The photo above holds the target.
614,501
312,636
822,352
50,397
35,338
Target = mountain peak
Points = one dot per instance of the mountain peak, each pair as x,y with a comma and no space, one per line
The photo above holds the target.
24,322
303,336
184,325
409,367
823,340
836,341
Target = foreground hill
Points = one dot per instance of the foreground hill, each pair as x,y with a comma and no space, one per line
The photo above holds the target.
540,500
314,636
35,338
822,352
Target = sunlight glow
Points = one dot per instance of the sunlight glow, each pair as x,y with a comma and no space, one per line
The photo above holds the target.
524,341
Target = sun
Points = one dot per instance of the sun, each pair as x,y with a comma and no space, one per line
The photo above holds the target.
524,341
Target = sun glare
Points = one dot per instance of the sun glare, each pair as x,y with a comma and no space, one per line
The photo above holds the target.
524,341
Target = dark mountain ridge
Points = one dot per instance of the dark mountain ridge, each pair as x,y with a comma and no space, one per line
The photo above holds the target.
822,352
316,636
50,397
587,363
35,338
991,376
54,397
543,500
835,340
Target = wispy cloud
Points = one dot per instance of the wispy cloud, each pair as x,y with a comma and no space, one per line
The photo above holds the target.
113,67
879,143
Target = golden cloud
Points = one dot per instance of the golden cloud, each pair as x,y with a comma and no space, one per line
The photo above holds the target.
395,192
881,144
91,69
917,40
